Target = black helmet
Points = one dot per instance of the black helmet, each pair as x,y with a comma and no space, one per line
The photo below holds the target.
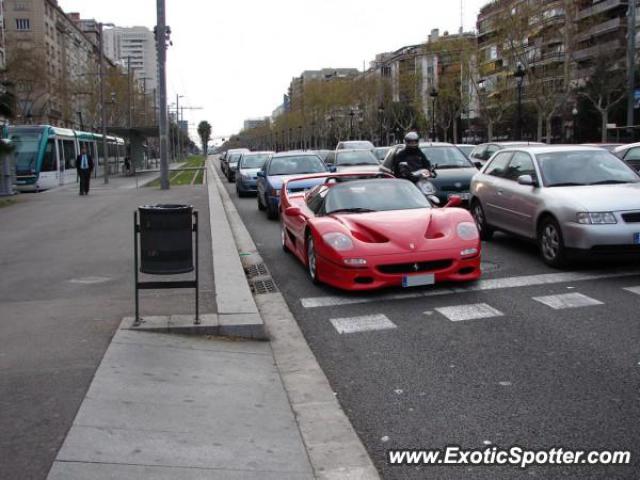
411,139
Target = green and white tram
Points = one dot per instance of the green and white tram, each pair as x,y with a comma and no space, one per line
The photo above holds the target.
45,156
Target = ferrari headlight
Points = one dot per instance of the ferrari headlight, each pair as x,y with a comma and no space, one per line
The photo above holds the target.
467,231
596,218
338,241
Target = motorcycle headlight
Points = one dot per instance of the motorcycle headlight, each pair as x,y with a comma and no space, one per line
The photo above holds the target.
427,187
467,231
596,218
338,241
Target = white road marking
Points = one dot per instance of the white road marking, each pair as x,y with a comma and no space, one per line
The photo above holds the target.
568,300
362,324
635,290
482,285
90,280
469,312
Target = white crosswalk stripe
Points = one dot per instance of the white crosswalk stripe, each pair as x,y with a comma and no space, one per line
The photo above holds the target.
635,290
568,300
469,312
362,324
482,285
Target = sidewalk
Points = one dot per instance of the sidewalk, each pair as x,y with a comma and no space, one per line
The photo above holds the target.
189,407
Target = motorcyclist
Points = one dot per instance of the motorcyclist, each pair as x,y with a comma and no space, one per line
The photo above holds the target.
411,155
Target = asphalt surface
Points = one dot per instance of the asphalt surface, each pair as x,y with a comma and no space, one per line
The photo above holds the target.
66,283
534,376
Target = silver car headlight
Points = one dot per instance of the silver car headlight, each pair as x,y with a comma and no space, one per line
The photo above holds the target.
596,218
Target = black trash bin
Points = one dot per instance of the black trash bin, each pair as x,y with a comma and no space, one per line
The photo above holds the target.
166,246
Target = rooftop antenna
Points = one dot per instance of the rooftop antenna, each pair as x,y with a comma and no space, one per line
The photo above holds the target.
461,16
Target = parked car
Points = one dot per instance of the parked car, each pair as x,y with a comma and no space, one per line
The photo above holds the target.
483,152
280,167
630,154
225,157
465,148
381,152
349,160
609,147
247,172
355,145
454,170
322,154
370,233
566,198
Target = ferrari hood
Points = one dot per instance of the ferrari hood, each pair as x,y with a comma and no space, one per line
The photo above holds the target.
398,230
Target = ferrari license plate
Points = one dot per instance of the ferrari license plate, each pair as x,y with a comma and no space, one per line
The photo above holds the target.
418,280
636,238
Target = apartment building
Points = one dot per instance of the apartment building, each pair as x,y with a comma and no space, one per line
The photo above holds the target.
3,58
48,56
134,47
296,88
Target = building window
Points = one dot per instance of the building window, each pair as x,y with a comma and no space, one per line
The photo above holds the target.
23,24
20,5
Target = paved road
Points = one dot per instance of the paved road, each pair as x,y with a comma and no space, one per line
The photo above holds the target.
525,373
66,283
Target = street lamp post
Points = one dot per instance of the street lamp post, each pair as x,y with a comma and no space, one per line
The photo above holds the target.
351,115
434,95
519,74
574,113
381,117
300,139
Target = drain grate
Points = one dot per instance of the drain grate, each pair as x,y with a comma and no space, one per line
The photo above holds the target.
259,287
257,270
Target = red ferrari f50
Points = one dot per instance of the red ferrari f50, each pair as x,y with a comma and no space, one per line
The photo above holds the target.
360,232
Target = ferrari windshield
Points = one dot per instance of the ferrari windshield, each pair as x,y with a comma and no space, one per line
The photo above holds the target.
446,157
296,164
356,157
374,195
584,167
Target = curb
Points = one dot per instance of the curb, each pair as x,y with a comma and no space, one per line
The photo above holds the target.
333,446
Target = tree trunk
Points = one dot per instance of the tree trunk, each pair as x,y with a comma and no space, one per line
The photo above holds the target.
605,120
489,131
548,127
540,122
455,131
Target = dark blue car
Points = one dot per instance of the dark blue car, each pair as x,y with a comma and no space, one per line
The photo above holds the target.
281,167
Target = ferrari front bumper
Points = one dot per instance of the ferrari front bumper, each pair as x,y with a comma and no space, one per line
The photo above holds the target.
389,270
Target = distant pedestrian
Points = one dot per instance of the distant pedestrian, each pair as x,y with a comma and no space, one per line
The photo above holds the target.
84,165
127,165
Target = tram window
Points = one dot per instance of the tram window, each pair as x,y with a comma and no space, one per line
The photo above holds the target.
49,159
69,154
100,153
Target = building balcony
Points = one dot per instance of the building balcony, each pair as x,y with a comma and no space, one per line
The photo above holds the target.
587,53
599,8
600,29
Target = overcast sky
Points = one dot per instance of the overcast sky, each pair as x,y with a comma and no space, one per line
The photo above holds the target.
235,58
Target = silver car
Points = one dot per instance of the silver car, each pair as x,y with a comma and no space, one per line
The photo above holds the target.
630,154
566,198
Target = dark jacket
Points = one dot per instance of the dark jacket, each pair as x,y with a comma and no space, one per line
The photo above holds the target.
414,158
79,162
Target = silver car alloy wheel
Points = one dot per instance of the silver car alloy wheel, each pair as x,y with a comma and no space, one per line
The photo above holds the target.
478,216
550,242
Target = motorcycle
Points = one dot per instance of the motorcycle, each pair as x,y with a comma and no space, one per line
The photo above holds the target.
421,179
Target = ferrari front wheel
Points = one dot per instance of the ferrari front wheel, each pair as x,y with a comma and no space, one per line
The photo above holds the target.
312,260
283,238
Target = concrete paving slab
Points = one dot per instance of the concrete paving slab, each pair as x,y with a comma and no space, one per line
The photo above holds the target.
176,403
105,471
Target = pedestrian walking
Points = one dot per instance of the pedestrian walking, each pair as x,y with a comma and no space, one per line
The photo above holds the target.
84,164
